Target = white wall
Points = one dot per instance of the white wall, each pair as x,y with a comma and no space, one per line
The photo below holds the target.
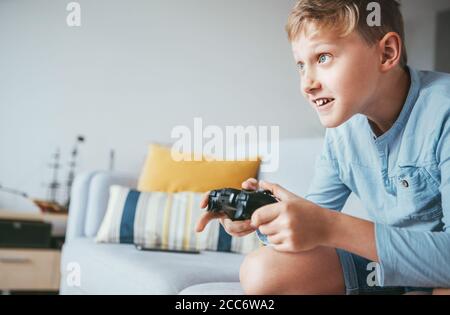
135,69
420,24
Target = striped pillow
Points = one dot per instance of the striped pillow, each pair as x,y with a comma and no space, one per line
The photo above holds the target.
166,221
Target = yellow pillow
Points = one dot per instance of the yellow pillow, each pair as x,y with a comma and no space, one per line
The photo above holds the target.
162,173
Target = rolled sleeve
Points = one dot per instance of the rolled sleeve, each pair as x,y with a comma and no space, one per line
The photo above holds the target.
419,258
412,258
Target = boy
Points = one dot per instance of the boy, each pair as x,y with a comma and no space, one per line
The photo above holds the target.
387,141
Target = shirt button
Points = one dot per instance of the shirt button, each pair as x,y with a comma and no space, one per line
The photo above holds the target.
405,183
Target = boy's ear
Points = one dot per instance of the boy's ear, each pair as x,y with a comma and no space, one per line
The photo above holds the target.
391,51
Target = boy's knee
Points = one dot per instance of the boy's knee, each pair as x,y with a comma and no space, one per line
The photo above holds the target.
268,272
252,273
259,273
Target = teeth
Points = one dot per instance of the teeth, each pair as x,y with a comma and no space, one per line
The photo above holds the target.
323,101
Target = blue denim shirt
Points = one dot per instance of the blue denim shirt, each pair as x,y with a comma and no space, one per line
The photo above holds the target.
403,180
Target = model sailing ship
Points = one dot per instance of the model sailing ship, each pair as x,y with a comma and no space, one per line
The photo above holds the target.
51,205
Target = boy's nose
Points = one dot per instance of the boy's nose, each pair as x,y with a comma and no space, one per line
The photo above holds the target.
310,85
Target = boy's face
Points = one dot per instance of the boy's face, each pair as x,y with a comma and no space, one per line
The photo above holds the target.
338,75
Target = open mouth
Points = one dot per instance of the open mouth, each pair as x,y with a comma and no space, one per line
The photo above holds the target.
320,102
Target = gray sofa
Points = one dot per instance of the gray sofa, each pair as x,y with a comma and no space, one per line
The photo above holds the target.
121,269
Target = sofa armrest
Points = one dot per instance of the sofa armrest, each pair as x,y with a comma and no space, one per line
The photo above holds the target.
99,196
78,204
89,200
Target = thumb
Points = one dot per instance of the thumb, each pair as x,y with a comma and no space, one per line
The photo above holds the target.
279,192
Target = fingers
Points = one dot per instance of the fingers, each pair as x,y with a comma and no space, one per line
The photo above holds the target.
205,218
260,218
282,247
234,228
265,215
237,228
204,201
278,191
275,239
242,233
269,229
250,184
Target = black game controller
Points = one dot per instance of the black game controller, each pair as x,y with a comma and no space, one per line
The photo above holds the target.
238,205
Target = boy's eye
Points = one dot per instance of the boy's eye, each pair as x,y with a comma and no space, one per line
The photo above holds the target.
324,58
301,66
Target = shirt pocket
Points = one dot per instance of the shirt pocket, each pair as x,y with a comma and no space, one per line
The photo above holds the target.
418,195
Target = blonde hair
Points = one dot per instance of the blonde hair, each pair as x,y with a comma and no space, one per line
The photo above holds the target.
345,16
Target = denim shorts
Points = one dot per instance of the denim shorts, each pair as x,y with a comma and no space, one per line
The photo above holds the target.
359,277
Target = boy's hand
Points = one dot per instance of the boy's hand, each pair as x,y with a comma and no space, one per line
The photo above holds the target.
292,225
234,228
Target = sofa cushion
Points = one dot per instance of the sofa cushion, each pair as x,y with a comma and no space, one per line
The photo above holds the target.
165,221
162,172
121,269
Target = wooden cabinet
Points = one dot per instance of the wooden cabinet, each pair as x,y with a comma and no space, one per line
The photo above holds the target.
29,269
23,269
